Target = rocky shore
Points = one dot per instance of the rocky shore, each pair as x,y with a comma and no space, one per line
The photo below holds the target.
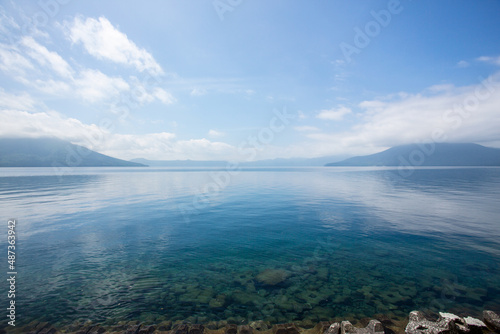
417,323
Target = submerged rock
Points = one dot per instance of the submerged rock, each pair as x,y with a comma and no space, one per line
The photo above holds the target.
245,298
218,301
196,329
245,329
285,329
231,329
260,325
145,330
272,276
180,329
320,328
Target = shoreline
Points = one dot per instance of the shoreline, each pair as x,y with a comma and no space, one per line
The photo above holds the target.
416,323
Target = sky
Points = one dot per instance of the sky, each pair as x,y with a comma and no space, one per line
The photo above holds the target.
250,79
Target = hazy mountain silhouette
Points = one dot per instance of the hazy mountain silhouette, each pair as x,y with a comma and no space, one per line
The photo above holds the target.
279,162
181,163
431,154
53,152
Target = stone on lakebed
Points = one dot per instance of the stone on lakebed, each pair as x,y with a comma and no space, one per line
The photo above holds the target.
272,276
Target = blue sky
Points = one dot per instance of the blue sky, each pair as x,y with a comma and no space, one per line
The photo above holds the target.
241,79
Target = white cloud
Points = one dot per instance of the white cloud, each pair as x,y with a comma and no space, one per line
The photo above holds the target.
7,23
203,149
142,94
13,63
463,64
51,87
165,146
204,85
338,62
16,101
306,128
15,123
47,58
463,114
491,60
103,41
90,85
215,133
93,86
334,114
126,146
15,60
54,76
35,66
443,88
163,96
198,92
459,114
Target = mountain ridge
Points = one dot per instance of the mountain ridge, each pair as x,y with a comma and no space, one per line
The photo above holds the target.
181,163
53,152
278,162
428,154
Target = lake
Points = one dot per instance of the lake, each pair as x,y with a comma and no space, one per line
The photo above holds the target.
273,244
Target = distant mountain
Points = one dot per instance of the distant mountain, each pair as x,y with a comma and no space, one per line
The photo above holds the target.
181,163
52,152
293,162
434,154
280,162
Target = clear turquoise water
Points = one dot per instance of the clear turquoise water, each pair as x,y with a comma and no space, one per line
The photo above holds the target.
281,245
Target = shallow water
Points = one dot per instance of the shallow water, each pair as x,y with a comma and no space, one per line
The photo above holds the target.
288,244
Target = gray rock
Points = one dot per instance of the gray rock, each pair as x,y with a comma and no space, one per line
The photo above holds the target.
492,320
333,329
475,325
418,324
473,322
347,327
373,327
459,323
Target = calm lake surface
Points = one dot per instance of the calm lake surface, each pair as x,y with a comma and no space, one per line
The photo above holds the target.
289,244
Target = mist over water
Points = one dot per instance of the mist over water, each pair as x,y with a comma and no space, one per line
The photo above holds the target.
289,244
